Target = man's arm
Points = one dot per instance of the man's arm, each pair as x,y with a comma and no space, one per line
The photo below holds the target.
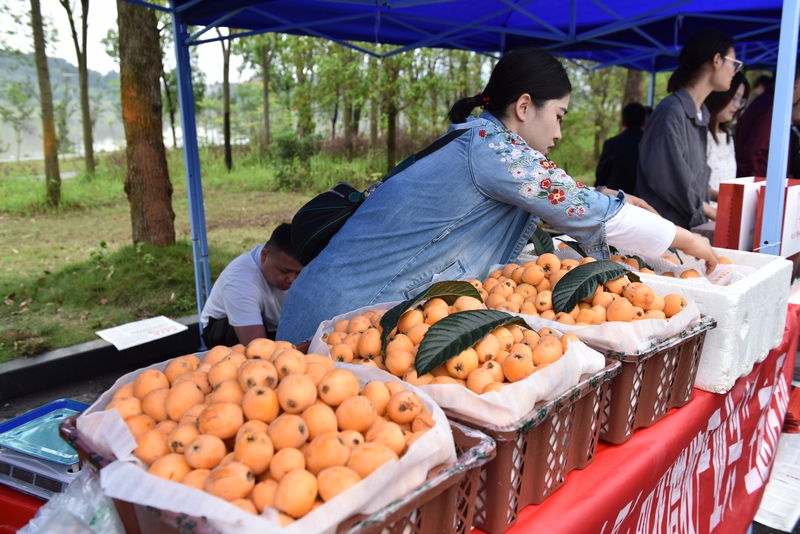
246,334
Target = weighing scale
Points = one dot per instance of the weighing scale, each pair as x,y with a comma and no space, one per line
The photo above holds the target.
34,459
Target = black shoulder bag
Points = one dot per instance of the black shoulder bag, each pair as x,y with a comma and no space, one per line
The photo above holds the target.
320,218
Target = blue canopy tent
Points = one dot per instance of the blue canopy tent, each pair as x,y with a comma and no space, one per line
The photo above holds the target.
629,33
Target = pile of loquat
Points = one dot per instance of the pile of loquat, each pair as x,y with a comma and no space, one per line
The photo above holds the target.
528,289
508,354
267,426
633,263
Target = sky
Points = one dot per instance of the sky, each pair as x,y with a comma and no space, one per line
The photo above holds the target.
102,17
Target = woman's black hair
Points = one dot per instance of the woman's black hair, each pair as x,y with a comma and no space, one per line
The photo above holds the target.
717,101
700,48
531,70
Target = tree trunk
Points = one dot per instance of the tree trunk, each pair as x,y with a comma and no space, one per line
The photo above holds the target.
265,61
147,181
633,87
348,128
83,80
391,136
170,107
333,120
226,101
52,176
373,123
356,120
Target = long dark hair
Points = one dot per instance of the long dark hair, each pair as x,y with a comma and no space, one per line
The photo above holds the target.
531,70
717,101
700,48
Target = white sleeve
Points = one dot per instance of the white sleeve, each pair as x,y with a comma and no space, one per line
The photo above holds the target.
637,230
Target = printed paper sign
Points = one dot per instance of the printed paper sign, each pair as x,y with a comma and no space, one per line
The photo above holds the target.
140,332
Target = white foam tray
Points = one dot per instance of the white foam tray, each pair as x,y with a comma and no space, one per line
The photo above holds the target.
750,315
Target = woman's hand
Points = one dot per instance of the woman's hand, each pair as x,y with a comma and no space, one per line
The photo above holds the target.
710,211
697,246
632,200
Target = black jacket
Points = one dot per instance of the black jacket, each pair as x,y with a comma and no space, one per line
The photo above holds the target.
617,166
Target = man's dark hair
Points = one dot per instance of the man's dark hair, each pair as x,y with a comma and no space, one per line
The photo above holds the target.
281,240
634,115
765,80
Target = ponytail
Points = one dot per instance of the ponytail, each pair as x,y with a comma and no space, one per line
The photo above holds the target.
463,108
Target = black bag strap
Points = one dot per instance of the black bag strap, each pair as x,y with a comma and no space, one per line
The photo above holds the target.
433,147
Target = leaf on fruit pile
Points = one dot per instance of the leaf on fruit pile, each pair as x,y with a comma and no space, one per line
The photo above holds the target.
447,291
582,281
642,264
542,242
457,332
574,246
675,251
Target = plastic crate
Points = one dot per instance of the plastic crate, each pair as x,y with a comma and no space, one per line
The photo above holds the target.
652,382
535,454
443,504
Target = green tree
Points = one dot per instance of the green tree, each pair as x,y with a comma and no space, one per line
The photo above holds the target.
147,182
51,172
258,52
17,109
81,51
64,110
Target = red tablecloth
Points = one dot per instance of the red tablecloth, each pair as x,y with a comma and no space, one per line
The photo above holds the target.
701,469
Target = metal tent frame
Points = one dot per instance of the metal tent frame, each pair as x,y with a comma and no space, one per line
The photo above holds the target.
629,33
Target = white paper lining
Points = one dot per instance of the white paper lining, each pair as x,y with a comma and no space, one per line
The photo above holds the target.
126,479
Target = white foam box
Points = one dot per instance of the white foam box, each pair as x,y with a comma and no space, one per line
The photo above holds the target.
750,315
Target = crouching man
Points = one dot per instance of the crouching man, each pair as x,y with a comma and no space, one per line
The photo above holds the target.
246,300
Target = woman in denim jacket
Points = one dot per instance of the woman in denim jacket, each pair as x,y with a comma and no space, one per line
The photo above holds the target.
472,204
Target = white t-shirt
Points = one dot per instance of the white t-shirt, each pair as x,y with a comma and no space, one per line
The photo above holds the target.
721,160
243,296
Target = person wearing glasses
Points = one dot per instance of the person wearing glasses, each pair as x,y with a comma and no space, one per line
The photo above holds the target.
753,133
723,107
672,174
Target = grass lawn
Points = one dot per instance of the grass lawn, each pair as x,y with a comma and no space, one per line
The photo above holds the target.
66,274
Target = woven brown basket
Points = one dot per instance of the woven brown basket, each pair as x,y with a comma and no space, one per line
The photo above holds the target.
653,382
443,504
535,454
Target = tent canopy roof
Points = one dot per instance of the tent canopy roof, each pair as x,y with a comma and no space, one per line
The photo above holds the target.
633,33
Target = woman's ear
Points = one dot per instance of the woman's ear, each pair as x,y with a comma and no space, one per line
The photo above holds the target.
717,61
521,106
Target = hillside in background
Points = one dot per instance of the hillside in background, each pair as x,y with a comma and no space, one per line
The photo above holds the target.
104,94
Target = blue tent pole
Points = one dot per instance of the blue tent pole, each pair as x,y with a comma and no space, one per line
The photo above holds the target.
651,91
191,157
774,192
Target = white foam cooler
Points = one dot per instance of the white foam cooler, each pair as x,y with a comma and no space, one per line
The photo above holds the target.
750,315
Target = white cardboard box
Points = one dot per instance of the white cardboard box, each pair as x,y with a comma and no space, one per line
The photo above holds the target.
750,315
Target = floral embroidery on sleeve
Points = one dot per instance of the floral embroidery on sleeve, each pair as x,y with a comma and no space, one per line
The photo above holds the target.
545,179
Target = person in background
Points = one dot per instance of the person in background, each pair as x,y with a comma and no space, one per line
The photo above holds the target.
753,132
473,204
724,106
672,173
760,85
617,166
246,301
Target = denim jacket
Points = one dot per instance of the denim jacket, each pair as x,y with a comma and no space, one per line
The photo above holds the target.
471,204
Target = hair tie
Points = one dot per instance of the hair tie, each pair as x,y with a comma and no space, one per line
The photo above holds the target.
482,100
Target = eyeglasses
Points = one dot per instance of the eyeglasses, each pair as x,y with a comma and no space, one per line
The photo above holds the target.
740,103
736,64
